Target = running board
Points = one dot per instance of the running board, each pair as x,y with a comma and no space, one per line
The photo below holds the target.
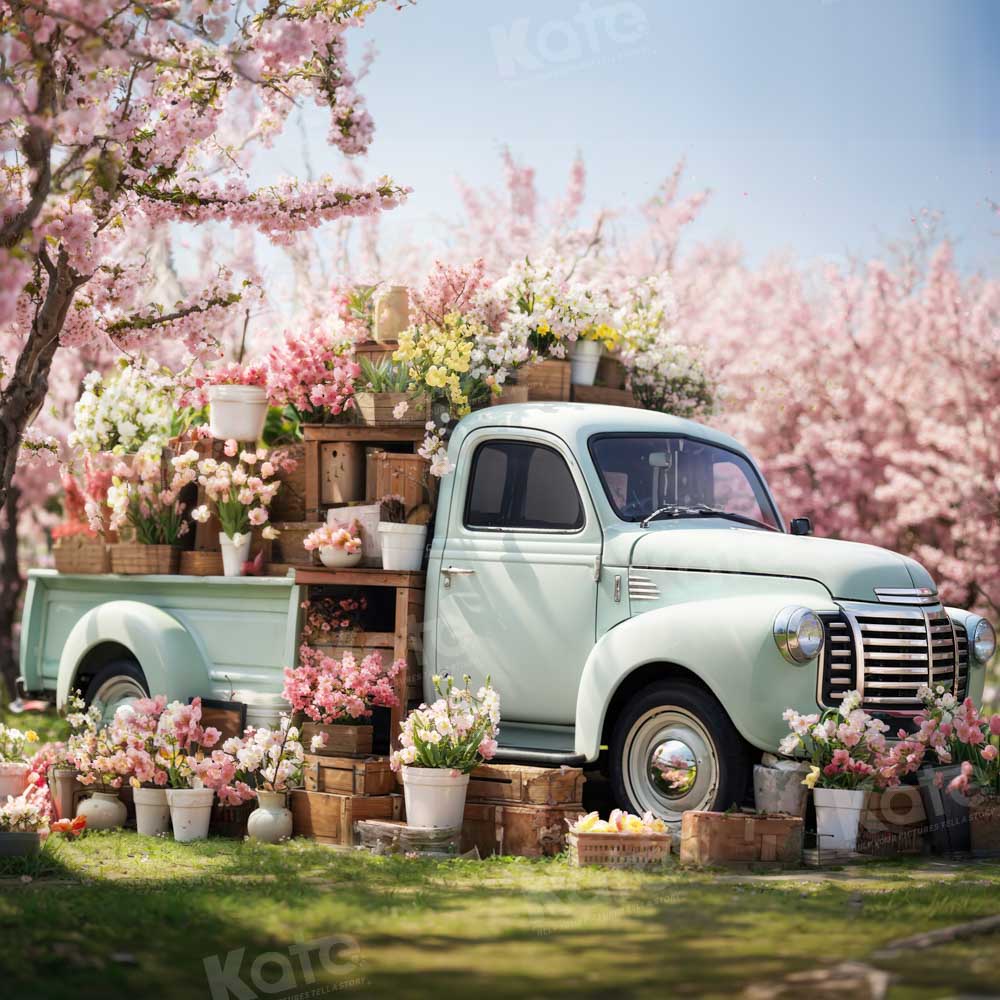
545,758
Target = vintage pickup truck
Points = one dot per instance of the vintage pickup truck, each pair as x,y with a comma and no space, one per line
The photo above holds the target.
624,577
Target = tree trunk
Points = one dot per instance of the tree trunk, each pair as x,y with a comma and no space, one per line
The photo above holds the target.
23,395
11,588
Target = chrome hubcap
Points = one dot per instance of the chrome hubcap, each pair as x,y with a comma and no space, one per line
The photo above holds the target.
115,692
671,764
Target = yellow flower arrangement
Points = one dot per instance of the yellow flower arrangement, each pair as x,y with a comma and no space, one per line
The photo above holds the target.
604,334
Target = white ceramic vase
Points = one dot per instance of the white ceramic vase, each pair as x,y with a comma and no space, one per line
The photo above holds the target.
334,557
838,817
152,813
271,821
584,357
190,812
103,811
235,552
402,545
434,796
13,779
237,412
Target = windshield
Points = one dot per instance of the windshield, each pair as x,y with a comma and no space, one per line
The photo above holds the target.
644,473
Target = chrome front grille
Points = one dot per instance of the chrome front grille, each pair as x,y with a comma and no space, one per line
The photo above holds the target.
889,652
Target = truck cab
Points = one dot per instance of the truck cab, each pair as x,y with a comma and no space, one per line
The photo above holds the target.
626,580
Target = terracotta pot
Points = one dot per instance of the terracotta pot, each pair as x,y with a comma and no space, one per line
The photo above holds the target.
13,778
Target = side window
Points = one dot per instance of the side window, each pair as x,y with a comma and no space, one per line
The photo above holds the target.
515,485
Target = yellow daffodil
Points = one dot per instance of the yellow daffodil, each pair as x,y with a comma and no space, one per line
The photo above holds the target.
811,778
31,736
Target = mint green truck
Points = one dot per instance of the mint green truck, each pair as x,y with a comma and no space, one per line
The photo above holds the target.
624,577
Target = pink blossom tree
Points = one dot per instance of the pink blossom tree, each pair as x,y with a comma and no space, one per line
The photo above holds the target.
118,120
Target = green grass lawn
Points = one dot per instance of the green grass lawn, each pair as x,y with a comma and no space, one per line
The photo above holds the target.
115,914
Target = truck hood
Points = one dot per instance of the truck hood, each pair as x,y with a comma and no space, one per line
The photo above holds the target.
849,570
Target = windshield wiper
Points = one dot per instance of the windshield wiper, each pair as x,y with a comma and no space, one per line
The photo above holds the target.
702,510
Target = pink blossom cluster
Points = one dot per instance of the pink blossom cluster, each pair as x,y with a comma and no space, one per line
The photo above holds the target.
313,373
324,615
242,492
197,383
328,690
334,536
140,495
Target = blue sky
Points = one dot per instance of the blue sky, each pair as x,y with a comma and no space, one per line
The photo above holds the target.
822,126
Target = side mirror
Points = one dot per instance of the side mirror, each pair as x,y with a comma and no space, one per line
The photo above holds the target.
801,526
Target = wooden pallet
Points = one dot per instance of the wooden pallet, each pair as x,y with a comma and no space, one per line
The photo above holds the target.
329,818
348,775
550,786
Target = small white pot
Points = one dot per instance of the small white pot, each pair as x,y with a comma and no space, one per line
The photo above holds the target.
103,811
152,814
13,779
334,557
435,796
235,552
271,821
584,357
402,545
237,411
190,812
838,816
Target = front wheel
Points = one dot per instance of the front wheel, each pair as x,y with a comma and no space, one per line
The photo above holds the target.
120,682
674,749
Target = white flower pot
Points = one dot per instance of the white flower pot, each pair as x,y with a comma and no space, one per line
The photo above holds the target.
338,558
237,411
190,812
103,811
584,357
435,796
152,814
838,816
13,779
402,545
235,552
271,821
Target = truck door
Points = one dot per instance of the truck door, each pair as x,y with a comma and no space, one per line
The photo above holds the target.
517,590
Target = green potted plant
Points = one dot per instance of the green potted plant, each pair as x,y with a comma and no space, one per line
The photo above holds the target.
387,396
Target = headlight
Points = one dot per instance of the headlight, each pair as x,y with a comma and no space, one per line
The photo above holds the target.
982,639
798,633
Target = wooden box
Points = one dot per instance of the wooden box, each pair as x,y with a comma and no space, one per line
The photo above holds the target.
289,503
82,554
893,822
375,409
231,821
348,775
341,740
546,381
713,838
330,818
342,472
550,786
287,548
510,394
529,831
400,475
610,372
200,562
619,850
601,394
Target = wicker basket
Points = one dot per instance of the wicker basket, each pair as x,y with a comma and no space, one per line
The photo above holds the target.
619,850
82,554
375,409
133,559
200,563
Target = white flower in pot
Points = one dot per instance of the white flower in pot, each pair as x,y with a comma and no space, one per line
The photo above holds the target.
339,547
440,745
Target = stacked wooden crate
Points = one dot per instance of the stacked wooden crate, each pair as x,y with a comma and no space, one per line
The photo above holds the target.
521,810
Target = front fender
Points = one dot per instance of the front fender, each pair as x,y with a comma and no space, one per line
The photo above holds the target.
726,643
170,658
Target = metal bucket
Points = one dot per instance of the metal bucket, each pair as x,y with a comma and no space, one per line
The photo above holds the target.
780,789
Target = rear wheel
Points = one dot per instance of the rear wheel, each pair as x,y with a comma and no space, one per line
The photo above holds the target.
120,682
674,749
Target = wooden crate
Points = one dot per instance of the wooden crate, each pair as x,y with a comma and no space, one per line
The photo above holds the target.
289,503
82,554
893,822
528,831
550,786
231,821
287,547
619,850
510,394
547,381
406,476
376,409
610,372
341,740
342,472
348,775
133,558
714,838
601,394
376,351
330,818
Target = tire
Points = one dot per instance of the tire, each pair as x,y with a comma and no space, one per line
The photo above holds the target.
117,683
681,723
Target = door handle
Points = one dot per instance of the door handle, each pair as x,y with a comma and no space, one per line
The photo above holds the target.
449,571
